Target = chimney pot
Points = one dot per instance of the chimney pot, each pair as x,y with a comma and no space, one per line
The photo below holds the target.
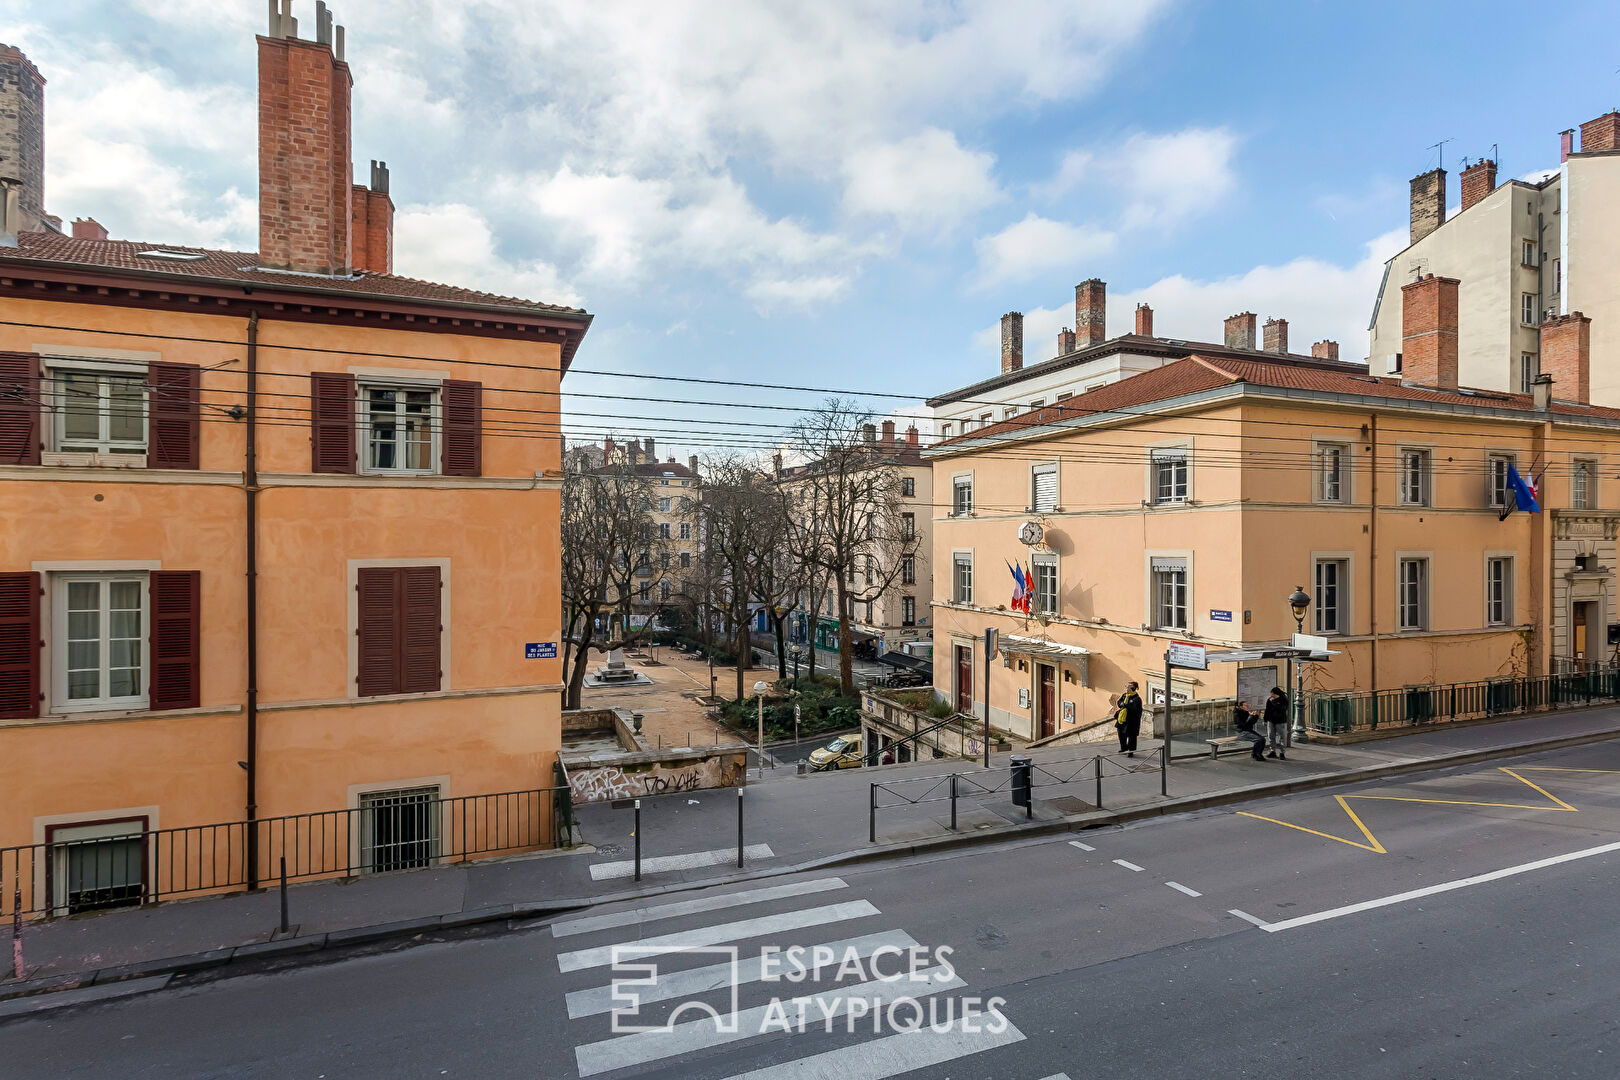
1566,355
1428,203
1012,341
1144,320
1091,312
88,229
1276,336
1429,332
1541,392
1325,350
911,436
888,433
1602,133
1065,341
1240,331
1478,181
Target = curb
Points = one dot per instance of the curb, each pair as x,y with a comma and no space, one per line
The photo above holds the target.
525,916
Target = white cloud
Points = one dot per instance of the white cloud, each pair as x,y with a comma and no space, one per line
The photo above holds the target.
452,243
1152,179
926,181
1036,244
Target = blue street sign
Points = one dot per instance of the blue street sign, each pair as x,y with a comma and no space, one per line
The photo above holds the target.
540,650
1220,616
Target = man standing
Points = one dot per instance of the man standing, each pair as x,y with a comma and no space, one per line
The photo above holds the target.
1128,718
1277,721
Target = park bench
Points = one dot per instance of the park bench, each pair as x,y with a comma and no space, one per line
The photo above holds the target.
1216,745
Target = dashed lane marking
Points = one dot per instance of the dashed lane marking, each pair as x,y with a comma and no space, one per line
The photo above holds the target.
1180,888
1082,847
1128,865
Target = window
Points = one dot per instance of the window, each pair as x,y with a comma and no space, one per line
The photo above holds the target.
1412,594
1066,395
1009,412
1499,591
1527,252
1332,577
664,590
908,570
984,420
1037,403
1582,486
644,592
665,559
1498,465
1045,570
1043,488
663,505
1395,365
962,496
962,579
94,867
871,568
686,530
399,830
1169,472
399,630
100,624
908,486
398,428
908,611
1414,478
1527,308
1169,593
1529,368
1331,458
99,411
1558,276
908,526
869,612
945,430
829,604
663,530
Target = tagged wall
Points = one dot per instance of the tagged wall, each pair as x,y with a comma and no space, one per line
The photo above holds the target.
666,772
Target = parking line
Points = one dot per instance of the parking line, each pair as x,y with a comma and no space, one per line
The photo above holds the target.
1128,865
1180,888
1082,847
1261,923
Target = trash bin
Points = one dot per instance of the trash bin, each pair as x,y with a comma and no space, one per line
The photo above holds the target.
1020,781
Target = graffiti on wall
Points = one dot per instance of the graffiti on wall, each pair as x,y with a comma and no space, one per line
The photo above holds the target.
607,782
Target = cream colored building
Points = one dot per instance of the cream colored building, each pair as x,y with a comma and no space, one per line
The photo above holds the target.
1524,251
672,492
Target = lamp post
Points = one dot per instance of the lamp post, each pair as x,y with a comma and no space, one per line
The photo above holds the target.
1299,601
759,695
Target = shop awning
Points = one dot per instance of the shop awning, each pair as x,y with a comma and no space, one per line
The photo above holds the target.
908,663
1073,656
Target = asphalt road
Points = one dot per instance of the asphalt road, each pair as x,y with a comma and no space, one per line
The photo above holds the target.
1458,924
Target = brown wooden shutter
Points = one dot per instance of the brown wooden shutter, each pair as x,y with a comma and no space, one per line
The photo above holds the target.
378,629
420,624
331,416
174,421
462,405
176,640
19,645
21,429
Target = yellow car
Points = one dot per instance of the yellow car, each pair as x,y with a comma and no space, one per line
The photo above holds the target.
843,752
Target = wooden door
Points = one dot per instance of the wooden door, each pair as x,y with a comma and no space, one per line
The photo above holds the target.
1583,619
964,679
1048,698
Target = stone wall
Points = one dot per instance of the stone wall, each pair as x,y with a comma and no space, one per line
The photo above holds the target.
600,778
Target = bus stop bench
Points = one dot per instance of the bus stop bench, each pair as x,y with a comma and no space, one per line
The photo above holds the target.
1217,745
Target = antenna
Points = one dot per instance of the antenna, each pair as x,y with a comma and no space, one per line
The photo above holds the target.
1441,146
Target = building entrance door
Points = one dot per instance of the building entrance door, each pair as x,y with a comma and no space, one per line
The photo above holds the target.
1048,699
964,679
1584,624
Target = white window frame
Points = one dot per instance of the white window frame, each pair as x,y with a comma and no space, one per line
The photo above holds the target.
960,482
1170,459
908,570
1425,476
357,798
1037,561
1425,587
1527,252
363,422
56,635
663,530
122,452
1324,493
1527,309
945,430
1583,486
1509,581
959,594
908,611
663,505
1346,591
1529,370
1496,468
1035,472
1154,611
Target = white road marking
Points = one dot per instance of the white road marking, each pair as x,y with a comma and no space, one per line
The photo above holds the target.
1082,847
1261,923
641,1047
1180,888
637,916
1445,886
1128,865
763,926
692,982
663,864
894,1054
1057,1076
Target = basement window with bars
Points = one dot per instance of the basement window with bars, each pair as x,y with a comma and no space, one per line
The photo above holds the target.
399,829
94,867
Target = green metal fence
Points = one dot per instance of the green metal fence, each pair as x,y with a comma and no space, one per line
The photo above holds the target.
1345,712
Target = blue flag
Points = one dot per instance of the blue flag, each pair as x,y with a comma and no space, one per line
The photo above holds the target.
1524,492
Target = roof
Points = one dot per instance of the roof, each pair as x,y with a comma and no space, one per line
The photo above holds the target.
898,453
649,468
1199,373
1125,343
242,267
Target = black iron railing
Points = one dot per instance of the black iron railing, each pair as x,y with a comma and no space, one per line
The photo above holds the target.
1341,713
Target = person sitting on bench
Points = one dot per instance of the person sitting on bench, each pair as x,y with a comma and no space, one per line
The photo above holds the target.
1244,721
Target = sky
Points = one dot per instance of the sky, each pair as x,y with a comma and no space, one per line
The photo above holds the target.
844,196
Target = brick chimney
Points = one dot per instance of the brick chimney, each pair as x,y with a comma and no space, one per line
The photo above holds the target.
371,227
1566,144
1602,133
1429,332
1240,331
647,448
1012,341
22,144
1325,350
1428,203
911,436
608,450
88,229
1276,336
632,452
888,433
691,463
1144,320
1091,312
1065,341
1566,355
1478,181
869,434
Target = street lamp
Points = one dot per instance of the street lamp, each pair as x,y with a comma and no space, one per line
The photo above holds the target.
759,695
1299,602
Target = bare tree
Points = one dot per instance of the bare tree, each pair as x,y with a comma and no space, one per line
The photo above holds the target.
852,488
778,578
736,517
612,552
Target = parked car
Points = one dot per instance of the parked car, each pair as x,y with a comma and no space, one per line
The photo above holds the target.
843,752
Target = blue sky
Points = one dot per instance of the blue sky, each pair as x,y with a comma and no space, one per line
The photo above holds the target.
842,195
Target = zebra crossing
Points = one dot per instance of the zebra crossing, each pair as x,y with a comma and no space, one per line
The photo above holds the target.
796,981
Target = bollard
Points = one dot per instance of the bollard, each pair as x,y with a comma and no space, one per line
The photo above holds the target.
953,802
1098,762
17,966
871,815
1164,768
284,894
1021,782
638,839
739,828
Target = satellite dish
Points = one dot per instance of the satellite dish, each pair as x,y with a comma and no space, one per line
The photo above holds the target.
1031,533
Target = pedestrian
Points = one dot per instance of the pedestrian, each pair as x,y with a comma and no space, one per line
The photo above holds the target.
1277,720
1244,721
1128,718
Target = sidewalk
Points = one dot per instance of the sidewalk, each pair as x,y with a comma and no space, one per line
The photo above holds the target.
817,819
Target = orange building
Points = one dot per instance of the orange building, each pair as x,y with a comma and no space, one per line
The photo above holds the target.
278,535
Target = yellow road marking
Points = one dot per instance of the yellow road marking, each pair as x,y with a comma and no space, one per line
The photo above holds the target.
1373,845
